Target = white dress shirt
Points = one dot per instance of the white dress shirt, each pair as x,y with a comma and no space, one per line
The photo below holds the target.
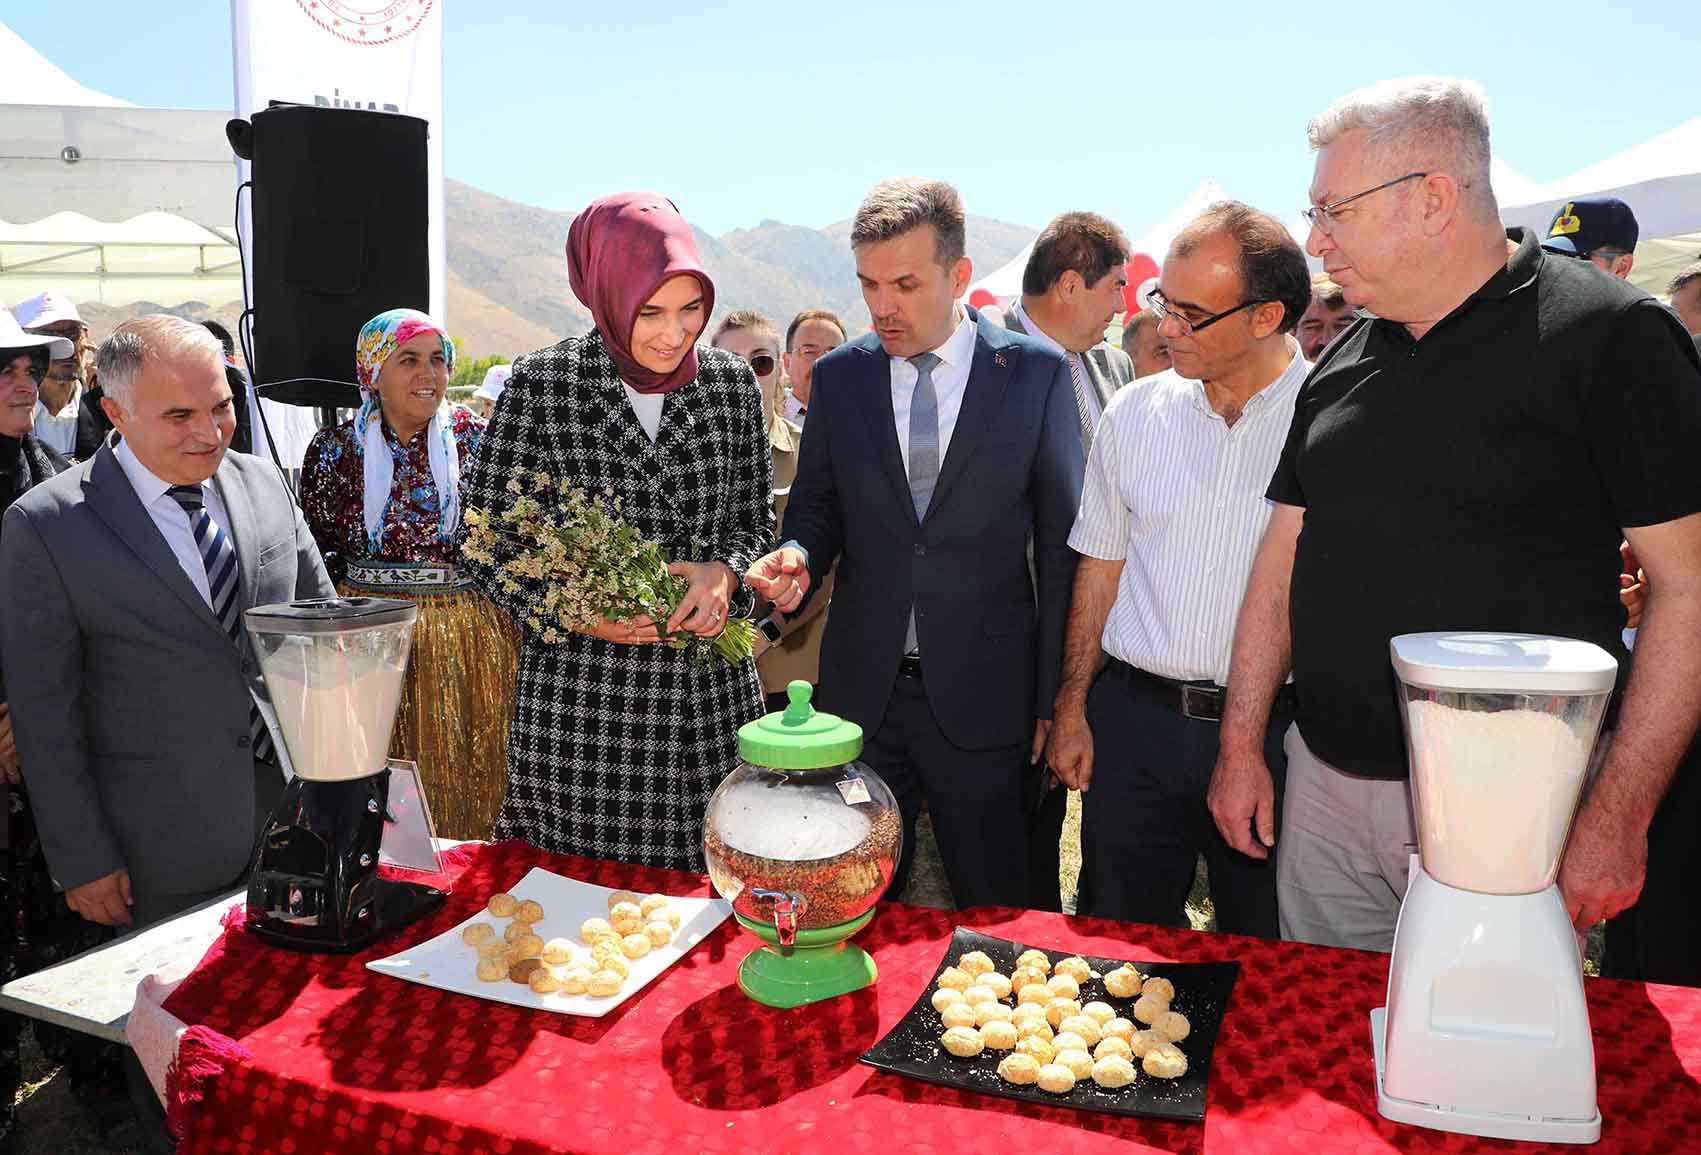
647,408
1095,411
950,382
172,519
58,431
1178,494
794,410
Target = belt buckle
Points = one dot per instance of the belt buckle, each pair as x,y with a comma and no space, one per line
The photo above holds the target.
1202,703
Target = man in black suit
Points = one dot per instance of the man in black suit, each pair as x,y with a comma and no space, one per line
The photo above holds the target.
938,447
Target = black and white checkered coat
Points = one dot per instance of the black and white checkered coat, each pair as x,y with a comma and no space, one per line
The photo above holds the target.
614,749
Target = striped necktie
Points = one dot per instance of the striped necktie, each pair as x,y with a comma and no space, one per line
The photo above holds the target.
218,555
1078,376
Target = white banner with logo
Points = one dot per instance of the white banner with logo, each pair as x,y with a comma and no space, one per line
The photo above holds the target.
381,55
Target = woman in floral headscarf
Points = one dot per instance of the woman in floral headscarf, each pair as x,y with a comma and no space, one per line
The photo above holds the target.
382,495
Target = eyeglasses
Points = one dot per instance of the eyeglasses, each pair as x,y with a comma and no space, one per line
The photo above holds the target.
761,364
1320,216
1163,310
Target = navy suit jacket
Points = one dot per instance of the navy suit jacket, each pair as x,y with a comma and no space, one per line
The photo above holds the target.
990,629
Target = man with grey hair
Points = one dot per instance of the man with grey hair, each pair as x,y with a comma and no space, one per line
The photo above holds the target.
139,708
938,447
1469,458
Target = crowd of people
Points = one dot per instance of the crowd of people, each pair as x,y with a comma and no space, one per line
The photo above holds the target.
1024,559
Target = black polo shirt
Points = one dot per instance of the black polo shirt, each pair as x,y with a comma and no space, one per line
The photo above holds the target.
1478,479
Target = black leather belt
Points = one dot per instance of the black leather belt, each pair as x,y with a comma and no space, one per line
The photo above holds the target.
1201,701
909,666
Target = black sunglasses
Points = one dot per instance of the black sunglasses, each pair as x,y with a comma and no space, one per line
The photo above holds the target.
761,364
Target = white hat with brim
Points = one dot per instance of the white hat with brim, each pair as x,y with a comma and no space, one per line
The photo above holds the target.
495,380
45,309
13,340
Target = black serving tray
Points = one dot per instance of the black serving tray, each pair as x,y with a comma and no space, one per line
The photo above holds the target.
1202,993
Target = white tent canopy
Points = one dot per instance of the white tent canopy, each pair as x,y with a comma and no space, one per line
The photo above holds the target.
153,256
1660,179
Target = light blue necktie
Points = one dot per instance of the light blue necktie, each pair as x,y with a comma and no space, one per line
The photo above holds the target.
218,555
924,453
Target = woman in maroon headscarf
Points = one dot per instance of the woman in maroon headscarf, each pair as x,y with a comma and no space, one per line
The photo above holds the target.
616,741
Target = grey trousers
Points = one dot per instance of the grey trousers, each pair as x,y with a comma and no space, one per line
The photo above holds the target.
1344,853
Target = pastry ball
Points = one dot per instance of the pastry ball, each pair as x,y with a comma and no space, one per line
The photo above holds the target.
529,911
617,897
997,983
557,952
1068,1041
492,970
1033,1028
1100,1013
652,903
1019,1069
1063,987
1172,1025
1037,993
1040,1049
522,971
527,946
1059,1009
615,963
1165,1061
544,981
1113,1071
976,963
604,983
958,1015
1081,1025
1026,976
516,930
502,905
1117,1028
625,924
963,1042
667,914
979,993
627,909
1075,967
1142,1042
1056,1078
1037,959
992,1012
1080,1063
1025,1012
635,945
659,931
998,1035
1147,1008
478,932
956,979
576,980
607,948
1124,983
1113,1046
493,947
592,929
947,997
1159,988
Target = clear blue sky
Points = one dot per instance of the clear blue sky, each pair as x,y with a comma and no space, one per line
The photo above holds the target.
788,110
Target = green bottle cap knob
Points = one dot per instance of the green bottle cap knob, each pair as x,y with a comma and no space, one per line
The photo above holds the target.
800,737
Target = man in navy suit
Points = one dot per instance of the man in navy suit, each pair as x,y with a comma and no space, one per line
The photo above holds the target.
939,447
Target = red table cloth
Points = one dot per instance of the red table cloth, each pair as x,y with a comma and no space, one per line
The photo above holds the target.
309,1053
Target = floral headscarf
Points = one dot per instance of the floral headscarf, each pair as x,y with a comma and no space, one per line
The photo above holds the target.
379,338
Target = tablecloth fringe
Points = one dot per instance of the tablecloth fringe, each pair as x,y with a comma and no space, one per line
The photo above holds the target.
203,1055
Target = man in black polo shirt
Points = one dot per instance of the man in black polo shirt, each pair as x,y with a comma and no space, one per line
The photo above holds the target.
1467,459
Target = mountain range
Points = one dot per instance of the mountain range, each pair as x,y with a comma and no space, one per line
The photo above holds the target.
507,282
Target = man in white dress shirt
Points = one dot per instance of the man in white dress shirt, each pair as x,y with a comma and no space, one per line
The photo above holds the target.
1171,514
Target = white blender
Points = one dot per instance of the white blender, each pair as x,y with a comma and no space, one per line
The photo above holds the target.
1486,1031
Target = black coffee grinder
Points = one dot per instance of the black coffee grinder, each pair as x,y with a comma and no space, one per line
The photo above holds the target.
334,668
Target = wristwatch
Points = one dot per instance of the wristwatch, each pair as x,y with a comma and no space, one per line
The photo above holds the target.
770,630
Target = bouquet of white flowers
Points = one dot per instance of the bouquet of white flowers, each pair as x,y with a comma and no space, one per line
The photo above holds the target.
591,564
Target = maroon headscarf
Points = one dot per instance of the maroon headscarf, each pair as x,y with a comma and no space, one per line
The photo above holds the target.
620,250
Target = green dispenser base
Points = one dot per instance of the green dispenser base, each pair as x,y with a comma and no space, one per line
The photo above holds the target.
821,964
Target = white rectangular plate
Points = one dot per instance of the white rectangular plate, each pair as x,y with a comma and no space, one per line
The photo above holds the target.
448,963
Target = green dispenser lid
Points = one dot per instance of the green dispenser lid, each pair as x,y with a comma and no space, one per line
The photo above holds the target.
800,737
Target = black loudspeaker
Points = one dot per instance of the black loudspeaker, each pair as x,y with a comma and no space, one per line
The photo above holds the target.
339,236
